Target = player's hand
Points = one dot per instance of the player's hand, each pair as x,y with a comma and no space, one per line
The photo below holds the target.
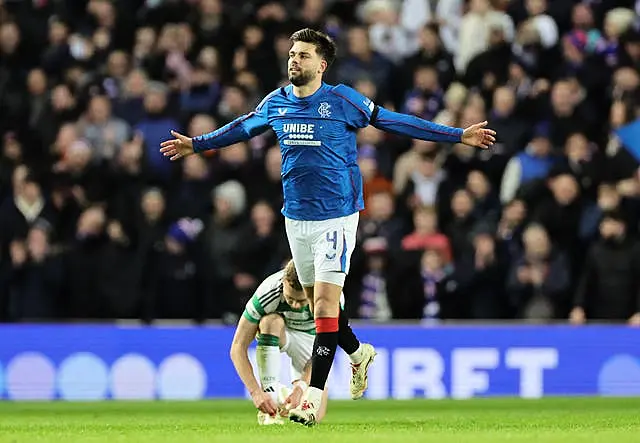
264,402
180,146
294,399
478,136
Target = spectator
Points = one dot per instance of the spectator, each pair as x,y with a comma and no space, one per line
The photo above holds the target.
374,284
454,100
87,92
430,53
380,220
426,234
256,259
511,226
372,181
37,278
560,215
428,185
608,200
223,237
527,167
483,274
425,99
486,202
431,294
511,129
176,269
540,278
581,162
189,198
152,222
156,122
84,262
406,163
475,29
121,272
363,61
388,31
609,287
462,222
27,205
104,133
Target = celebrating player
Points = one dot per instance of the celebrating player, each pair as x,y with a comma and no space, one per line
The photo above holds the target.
279,313
316,126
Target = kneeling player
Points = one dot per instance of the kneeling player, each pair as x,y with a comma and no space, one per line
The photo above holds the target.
279,314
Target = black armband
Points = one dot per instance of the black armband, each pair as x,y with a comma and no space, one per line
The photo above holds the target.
374,114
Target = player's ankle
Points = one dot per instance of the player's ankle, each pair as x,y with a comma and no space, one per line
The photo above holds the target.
356,357
314,396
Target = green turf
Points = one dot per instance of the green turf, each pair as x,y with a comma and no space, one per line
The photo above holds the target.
476,421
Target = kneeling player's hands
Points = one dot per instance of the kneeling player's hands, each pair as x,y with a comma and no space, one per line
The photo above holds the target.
180,146
294,399
264,402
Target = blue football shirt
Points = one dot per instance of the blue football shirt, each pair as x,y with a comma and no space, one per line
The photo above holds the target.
317,135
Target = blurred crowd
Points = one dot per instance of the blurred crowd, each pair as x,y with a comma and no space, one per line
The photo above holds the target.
96,224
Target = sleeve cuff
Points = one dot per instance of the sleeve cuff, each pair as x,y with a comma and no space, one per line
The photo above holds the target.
248,316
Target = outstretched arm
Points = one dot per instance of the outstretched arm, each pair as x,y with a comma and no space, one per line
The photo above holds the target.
241,129
415,127
360,112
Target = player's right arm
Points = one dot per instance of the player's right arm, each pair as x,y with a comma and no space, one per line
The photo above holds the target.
241,129
245,333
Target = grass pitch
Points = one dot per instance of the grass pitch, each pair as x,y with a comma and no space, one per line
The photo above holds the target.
476,421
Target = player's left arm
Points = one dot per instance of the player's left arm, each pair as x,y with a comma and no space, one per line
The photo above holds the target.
239,353
359,111
411,126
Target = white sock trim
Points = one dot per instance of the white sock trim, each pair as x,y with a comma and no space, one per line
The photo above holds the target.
356,357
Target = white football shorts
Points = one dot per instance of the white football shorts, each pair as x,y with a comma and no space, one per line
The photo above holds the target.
322,249
299,347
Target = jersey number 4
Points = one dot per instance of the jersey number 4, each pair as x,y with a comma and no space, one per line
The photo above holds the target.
332,238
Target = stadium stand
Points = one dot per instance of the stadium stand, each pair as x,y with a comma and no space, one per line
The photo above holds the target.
96,224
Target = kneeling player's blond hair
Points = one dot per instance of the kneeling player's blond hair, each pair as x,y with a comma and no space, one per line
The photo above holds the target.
291,276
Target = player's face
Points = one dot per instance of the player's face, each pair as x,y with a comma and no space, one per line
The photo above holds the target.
295,299
304,63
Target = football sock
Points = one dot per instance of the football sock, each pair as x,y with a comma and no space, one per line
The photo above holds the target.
314,396
356,357
324,349
347,340
268,359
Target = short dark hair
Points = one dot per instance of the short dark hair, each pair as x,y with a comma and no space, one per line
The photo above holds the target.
325,46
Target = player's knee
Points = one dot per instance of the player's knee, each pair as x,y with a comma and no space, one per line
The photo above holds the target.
271,324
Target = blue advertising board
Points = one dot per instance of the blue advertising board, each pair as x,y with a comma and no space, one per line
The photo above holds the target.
87,362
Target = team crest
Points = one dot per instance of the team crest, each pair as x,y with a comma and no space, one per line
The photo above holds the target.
324,110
